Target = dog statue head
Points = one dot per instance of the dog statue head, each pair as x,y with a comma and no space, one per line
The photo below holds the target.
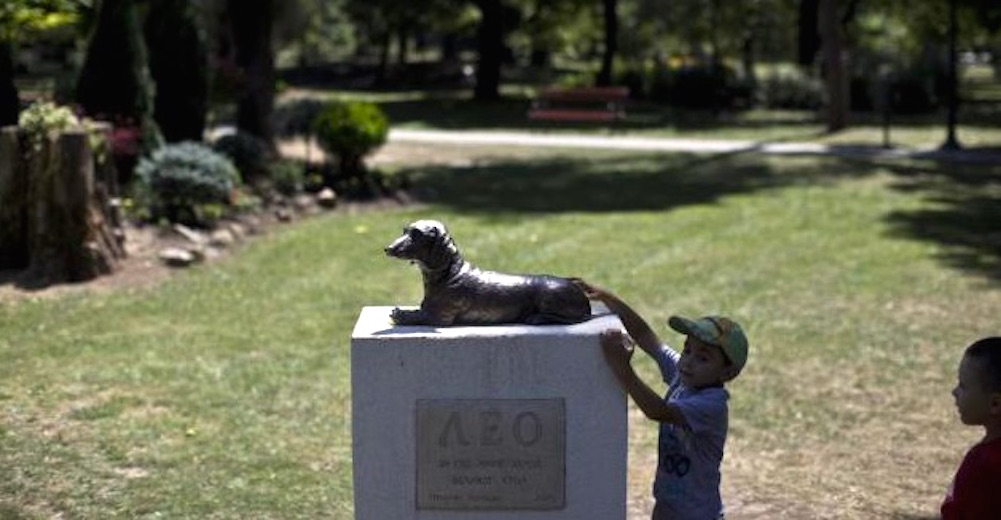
426,243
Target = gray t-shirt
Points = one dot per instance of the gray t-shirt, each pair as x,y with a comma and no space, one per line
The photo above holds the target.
688,475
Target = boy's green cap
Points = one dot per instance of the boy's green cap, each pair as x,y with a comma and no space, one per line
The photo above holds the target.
716,330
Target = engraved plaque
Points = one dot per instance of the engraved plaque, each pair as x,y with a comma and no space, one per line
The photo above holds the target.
491,454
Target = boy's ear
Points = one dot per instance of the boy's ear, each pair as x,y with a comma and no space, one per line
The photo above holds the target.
995,403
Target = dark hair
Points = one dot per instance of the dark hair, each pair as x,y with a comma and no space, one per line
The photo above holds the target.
988,350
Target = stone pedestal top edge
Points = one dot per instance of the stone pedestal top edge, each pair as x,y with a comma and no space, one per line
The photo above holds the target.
374,322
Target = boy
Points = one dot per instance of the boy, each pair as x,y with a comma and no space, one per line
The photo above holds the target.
693,414
975,493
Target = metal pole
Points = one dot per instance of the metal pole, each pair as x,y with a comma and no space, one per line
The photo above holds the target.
951,143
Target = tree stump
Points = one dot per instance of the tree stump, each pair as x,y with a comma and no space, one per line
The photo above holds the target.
13,201
60,222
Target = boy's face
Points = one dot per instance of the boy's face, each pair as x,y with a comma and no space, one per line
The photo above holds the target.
702,365
975,401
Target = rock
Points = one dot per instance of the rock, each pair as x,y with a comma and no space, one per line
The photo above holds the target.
177,257
201,252
302,203
193,236
283,215
238,231
251,224
222,238
326,198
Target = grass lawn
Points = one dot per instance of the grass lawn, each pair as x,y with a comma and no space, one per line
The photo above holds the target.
224,391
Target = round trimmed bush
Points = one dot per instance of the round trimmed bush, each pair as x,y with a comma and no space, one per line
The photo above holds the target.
179,178
350,130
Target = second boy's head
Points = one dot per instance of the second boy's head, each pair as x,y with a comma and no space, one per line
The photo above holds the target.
715,350
978,390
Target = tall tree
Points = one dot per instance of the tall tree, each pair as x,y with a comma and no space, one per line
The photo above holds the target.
490,49
835,69
809,33
178,62
251,27
611,17
9,99
115,82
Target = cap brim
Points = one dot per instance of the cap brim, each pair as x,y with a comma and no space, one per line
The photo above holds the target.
682,325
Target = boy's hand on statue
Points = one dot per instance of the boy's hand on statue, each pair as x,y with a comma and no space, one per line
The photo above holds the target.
618,348
590,291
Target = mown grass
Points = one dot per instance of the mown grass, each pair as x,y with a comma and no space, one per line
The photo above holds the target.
224,392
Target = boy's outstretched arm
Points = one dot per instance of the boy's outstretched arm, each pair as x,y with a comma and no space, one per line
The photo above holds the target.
635,325
618,353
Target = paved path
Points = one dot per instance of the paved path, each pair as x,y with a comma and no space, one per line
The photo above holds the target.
665,144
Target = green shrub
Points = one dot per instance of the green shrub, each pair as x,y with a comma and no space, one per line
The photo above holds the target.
350,130
250,154
287,177
790,92
179,178
42,118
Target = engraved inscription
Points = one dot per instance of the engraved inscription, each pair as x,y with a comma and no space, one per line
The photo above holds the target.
491,454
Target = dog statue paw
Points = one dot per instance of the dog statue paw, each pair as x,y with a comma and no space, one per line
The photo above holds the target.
458,293
406,317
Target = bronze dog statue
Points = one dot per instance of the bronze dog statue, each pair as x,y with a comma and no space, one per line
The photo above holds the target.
457,293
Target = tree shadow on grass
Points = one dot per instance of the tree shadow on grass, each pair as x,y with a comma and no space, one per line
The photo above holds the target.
605,183
964,214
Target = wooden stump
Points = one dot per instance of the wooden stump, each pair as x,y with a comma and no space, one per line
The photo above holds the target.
13,201
65,213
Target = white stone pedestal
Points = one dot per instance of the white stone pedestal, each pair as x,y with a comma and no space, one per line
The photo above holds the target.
477,423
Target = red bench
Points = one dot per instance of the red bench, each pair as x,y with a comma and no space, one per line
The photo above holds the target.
606,104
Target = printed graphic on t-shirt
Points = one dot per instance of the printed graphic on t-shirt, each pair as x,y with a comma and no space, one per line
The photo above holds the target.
674,465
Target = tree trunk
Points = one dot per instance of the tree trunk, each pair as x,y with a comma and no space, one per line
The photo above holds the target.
115,83
747,61
178,61
835,70
9,101
382,69
250,23
449,48
540,57
67,219
809,40
490,47
402,47
611,42
13,201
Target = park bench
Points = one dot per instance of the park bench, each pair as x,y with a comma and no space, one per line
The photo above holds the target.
580,104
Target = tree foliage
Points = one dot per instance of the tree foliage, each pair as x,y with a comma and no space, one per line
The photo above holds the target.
20,19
